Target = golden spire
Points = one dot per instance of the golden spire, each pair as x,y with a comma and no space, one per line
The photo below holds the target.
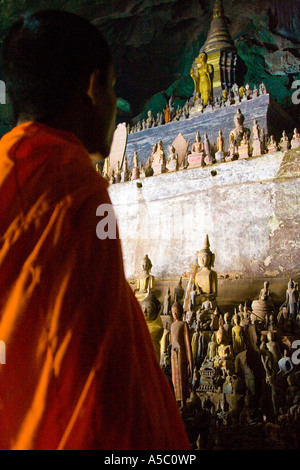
218,9
218,37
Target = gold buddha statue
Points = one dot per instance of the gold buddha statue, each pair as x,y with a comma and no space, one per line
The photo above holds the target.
224,354
146,280
206,279
202,75
151,307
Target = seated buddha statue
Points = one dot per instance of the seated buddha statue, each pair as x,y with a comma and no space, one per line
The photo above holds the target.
263,306
146,280
206,279
151,308
238,133
224,356
196,157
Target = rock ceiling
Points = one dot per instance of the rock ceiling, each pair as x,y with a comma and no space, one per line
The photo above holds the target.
155,42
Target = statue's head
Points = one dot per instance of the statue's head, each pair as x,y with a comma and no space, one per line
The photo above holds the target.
239,118
150,311
147,265
220,335
203,57
150,306
205,257
177,311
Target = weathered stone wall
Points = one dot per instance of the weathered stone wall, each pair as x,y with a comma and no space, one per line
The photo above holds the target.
249,209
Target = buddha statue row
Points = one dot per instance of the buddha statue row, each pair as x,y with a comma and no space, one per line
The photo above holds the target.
202,101
243,143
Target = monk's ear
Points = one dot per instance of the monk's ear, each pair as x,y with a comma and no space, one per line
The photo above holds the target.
94,87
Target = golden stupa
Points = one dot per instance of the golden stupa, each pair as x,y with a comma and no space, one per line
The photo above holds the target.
220,51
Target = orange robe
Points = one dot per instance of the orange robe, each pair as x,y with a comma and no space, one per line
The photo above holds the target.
81,371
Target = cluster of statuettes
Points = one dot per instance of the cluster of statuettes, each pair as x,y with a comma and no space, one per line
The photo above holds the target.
246,377
242,144
231,96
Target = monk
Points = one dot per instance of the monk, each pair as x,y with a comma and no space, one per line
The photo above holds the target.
81,371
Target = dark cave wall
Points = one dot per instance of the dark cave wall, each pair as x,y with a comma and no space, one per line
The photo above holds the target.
155,42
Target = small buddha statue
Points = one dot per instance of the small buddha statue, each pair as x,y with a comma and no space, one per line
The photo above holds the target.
265,292
244,147
159,159
263,306
212,348
292,299
220,155
196,157
232,152
295,142
166,112
151,307
238,133
167,302
237,335
125,173
197,146
256,142
274,348
206,279
181,355
165,341
112,177
248,91
207,150
272,145
262,89
255,92
150,119
224,354
242,91
172,164
225,95
146,279
284,143
255,130
135,171
227,324
264,140
118,173
106,168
